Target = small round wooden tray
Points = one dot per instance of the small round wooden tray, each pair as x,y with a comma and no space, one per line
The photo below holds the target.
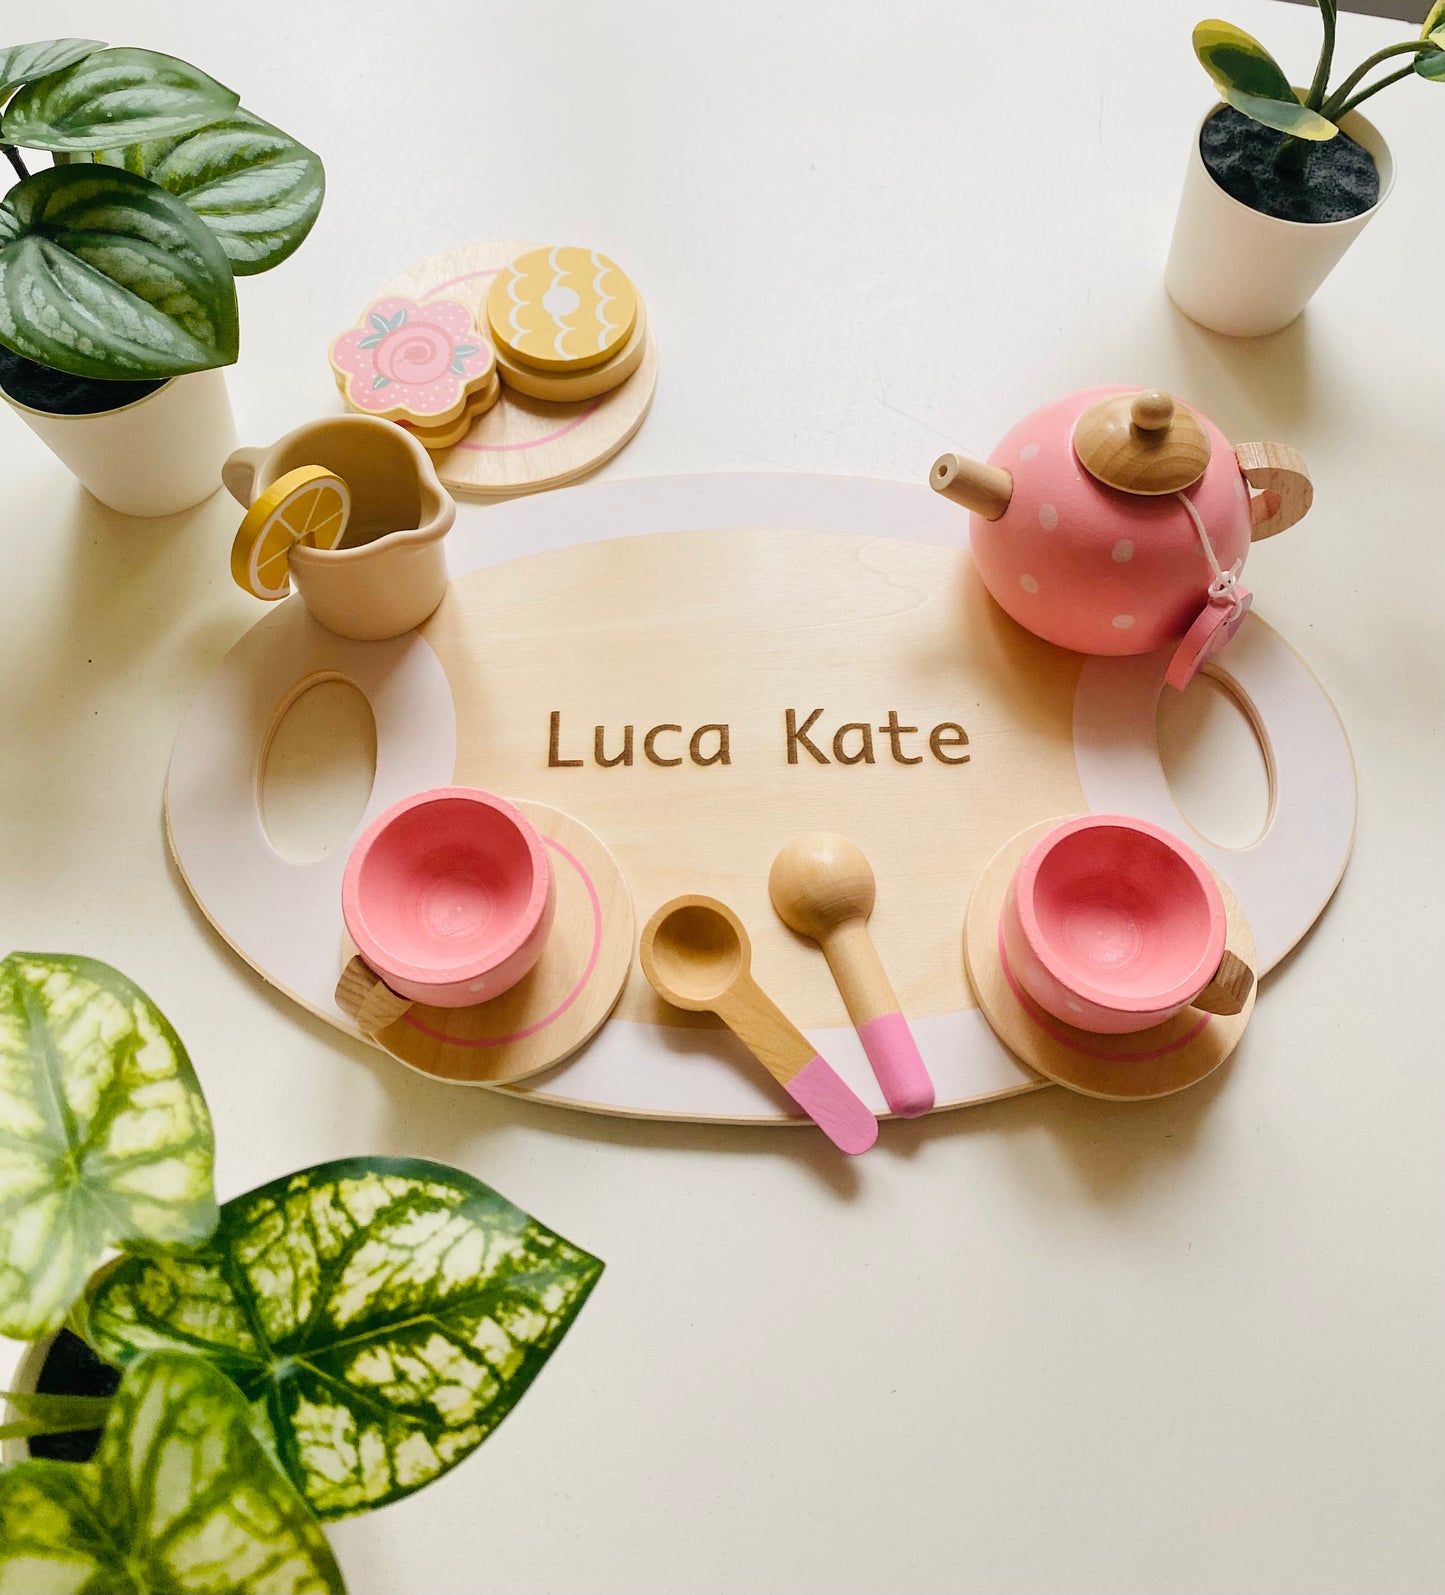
522,444
1128,1068
561,1004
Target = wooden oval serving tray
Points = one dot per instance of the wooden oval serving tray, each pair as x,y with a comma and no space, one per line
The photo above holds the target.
791,653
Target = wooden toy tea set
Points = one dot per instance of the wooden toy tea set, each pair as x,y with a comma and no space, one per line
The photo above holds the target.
882,784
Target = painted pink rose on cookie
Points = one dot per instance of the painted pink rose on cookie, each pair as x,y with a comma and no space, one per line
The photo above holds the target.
410,361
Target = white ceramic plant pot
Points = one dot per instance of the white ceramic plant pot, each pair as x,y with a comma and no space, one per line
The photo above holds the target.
157,456
1237,271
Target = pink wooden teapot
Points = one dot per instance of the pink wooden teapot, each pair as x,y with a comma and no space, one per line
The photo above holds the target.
1117,521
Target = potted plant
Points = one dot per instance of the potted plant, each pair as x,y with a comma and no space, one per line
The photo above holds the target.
320,1346
1280,179
117,262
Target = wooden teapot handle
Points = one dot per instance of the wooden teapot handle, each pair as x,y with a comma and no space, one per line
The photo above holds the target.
1283,478
368,1000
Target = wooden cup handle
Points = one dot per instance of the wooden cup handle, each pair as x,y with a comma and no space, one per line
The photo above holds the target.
365,998
1283,478
1228,992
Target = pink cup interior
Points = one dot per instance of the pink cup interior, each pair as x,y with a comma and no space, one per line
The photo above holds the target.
445,887
1122,914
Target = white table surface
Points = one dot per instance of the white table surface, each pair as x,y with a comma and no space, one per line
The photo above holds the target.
1045,1345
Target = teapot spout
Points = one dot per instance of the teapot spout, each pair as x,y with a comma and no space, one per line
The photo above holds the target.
984,489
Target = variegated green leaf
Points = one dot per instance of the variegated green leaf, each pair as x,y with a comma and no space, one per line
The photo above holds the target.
104,1135
181,1497
115,97
255,187
1430,64
384,1313
104,274
36,1413
1250,79
22,62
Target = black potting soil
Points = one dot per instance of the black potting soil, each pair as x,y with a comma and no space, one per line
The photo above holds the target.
41,388
71,1368
1339,179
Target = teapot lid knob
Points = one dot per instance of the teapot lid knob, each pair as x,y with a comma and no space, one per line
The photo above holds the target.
1143,442
1152,410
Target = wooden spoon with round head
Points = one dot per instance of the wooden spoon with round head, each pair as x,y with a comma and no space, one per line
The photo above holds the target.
697,955
822,887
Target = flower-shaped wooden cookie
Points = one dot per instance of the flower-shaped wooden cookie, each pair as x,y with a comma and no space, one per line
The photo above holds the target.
412,362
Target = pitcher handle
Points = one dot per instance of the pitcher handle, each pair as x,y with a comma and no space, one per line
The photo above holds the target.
239,474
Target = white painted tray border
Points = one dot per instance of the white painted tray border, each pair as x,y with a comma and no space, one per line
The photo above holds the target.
285,918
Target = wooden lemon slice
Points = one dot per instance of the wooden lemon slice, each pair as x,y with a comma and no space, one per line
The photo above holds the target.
308,505
561,309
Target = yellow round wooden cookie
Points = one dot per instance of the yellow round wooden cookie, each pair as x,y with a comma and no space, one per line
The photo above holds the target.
309,505
572,387
561,309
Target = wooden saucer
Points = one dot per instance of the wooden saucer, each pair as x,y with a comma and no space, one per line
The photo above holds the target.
561,1004
1128,1068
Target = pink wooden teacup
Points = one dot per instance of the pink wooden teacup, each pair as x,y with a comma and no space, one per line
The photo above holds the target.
1113,925
449,896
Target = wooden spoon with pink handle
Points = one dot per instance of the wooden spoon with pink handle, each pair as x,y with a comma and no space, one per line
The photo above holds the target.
822,887
697,955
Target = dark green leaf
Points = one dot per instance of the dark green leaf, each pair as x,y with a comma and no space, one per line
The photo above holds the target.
112,98
384,1313
181,1497
22,62
255,187
1250,79
104,274
104,1135
47,1414
1430,64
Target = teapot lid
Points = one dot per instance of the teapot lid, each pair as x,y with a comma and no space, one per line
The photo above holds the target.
1144,442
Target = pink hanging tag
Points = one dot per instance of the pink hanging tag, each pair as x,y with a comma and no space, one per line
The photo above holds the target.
1215,624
